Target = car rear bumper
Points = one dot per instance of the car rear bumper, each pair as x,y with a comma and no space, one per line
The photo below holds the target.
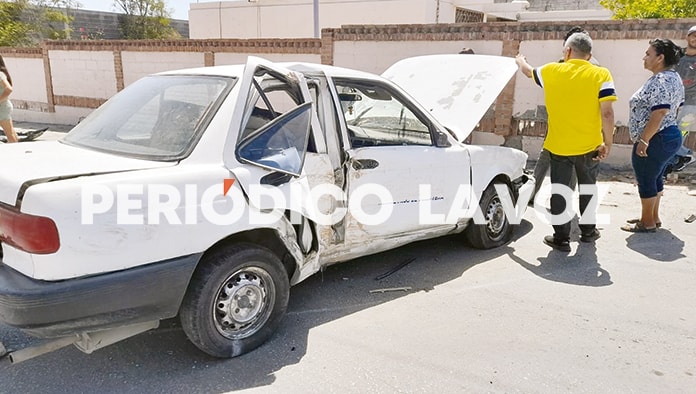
52,309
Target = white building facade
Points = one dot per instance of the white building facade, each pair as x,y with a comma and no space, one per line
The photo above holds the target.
296,18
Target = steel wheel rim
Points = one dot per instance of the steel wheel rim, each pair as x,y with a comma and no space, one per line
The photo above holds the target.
495,219
243,303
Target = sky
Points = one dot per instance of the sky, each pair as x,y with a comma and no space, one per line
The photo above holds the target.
178,8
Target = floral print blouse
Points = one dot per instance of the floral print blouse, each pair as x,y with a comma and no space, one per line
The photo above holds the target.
662,90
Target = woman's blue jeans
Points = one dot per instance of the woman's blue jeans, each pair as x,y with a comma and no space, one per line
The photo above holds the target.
649,169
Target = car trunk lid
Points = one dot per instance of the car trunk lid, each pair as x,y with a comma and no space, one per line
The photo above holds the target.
27,164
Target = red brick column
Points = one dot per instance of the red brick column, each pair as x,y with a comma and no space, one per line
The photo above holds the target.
327,46
118,69
209,59
505,101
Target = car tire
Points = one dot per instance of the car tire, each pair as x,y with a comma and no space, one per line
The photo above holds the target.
497,231
235,301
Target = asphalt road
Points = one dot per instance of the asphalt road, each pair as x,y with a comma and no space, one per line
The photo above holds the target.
618,316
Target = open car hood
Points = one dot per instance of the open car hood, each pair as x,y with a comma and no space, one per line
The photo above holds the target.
456,89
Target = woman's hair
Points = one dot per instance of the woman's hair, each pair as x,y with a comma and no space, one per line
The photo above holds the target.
3,68
573,30
669,49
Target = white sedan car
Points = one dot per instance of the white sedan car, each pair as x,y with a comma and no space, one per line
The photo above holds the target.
206,193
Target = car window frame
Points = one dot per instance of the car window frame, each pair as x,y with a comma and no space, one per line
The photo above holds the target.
396,94
303,108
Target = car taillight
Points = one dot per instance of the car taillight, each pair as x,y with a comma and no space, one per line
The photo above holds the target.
32,234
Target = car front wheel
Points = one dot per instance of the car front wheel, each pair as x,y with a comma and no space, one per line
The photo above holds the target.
496,230
236,299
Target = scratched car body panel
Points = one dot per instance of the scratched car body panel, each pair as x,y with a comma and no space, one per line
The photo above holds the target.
235,182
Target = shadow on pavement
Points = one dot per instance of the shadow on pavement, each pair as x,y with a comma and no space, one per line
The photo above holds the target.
661,246
581,268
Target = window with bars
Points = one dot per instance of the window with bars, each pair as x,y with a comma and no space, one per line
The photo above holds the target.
468,16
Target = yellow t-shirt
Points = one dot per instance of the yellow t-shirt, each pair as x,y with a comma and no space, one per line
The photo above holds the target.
572,92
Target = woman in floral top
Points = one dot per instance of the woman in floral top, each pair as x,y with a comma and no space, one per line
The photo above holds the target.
653,127
5,104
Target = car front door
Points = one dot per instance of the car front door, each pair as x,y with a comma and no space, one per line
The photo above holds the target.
403,175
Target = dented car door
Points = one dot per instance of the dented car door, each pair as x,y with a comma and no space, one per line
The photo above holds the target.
275,128
403,175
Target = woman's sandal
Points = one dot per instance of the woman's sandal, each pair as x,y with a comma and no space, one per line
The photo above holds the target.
638,228
637,220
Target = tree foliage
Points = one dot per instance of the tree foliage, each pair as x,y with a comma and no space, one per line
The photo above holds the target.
13,31
28,22
145,19
650,9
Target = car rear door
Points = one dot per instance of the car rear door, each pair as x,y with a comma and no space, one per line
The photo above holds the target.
275,146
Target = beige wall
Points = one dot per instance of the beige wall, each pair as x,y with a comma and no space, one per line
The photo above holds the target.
295,18
139,64
621,57
83,73
240,58
30,83
63,81
619,46
377,56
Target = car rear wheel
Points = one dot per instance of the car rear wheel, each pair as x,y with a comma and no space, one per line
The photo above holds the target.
236,300
497,230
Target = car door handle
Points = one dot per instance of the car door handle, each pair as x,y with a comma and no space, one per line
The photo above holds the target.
365,164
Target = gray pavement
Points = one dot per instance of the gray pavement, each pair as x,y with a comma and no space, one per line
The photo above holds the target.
616,316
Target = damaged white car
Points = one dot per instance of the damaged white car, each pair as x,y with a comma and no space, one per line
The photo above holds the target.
206,193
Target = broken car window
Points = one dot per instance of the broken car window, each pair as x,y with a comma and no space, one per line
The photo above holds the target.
157,118
280,145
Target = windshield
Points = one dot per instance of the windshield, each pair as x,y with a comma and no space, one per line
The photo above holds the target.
156,118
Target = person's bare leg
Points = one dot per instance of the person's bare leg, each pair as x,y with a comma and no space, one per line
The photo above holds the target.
8,128
647,218
656,209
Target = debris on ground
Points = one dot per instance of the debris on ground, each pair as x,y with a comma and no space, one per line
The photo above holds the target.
393,270
388,289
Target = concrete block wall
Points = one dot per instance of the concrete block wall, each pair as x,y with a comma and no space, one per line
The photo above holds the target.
65,80
84,73
139,64
27,67
619,46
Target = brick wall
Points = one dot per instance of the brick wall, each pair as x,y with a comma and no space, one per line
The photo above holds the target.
67,94
68,79
620,44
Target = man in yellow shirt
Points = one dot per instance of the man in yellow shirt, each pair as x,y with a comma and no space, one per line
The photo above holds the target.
579,99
